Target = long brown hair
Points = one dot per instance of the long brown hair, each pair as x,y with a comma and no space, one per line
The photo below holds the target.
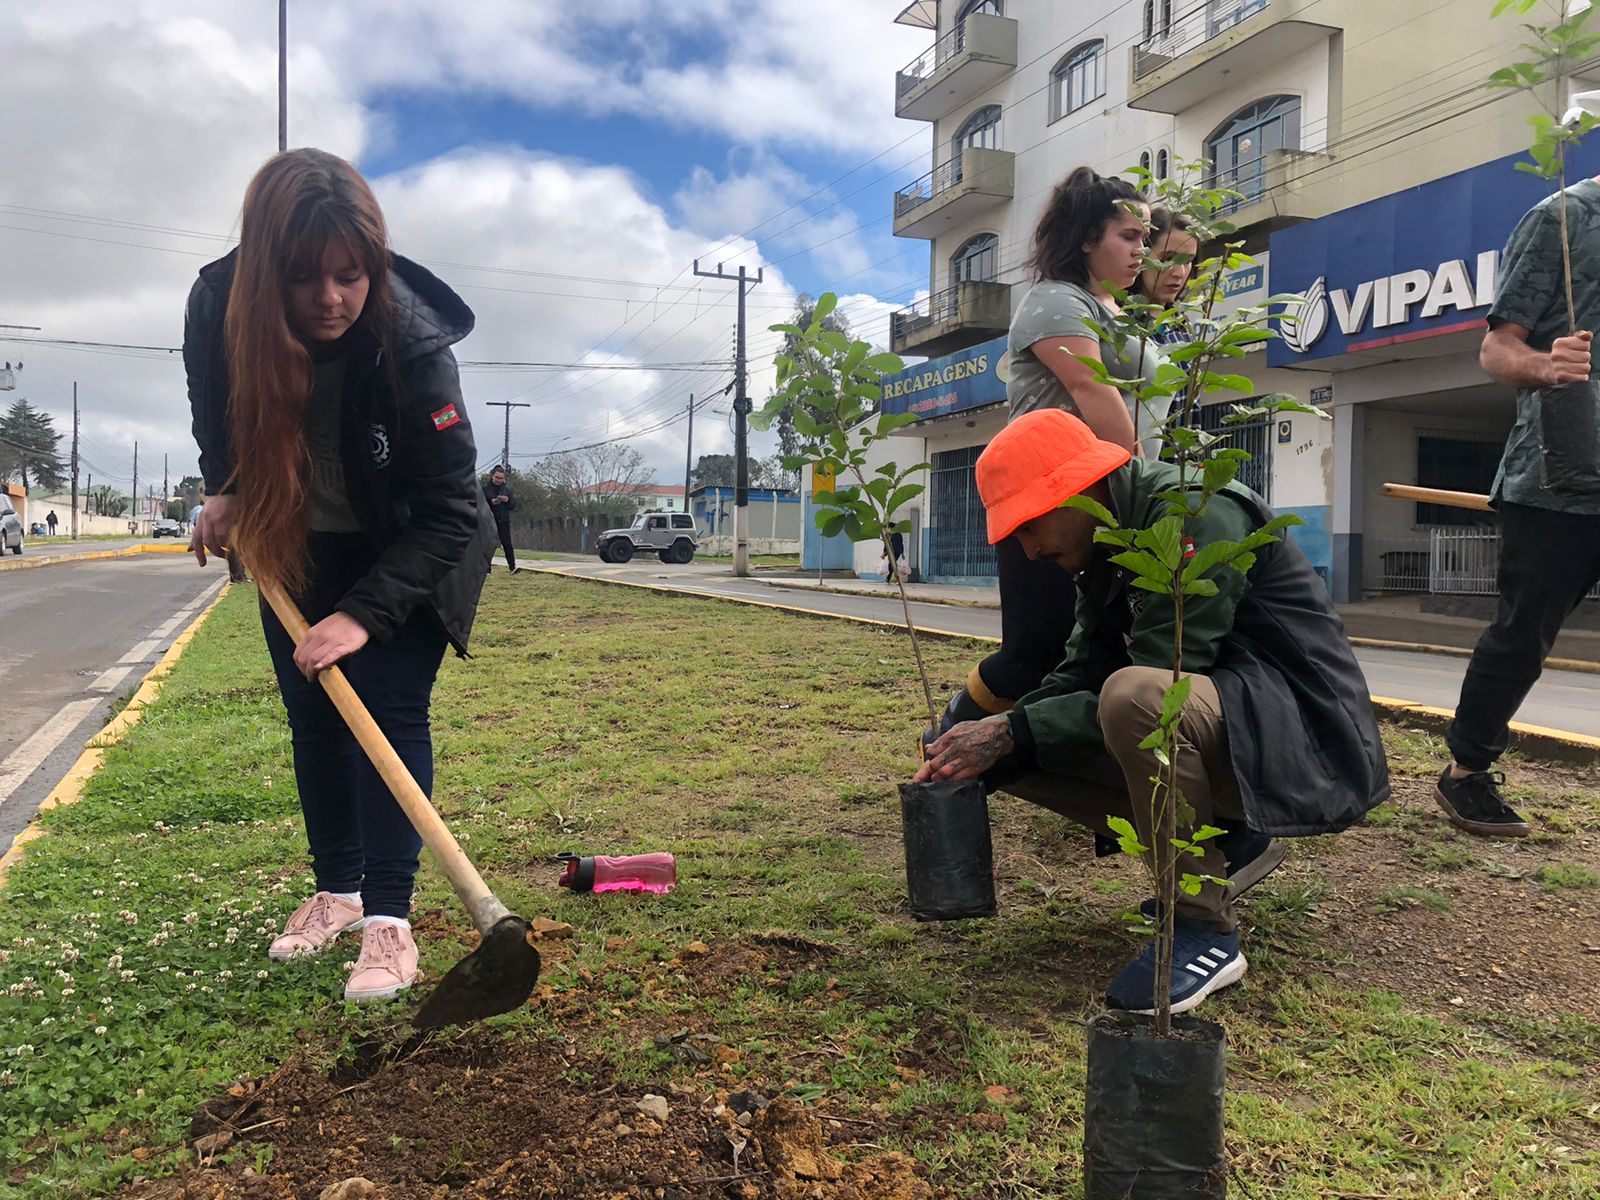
298,203
1078,211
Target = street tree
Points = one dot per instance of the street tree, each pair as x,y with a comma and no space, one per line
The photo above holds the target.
29,451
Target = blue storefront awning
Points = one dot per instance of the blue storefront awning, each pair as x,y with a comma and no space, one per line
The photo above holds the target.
968,379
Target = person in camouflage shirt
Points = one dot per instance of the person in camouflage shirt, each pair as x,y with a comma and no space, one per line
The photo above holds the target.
1549,543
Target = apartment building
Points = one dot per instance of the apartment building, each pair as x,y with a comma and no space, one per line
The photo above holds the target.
1377,175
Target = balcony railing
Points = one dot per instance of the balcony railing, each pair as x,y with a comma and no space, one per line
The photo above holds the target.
936,309
946,320
1190,30
941,179
923,68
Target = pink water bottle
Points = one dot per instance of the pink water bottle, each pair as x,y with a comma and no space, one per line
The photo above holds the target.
622,873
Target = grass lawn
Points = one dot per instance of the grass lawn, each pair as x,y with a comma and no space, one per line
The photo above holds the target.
1421,1018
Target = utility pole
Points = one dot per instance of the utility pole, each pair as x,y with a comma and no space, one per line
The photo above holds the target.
166,486
688,455
283,75
74,459
741,408
505,447
133,496
88,494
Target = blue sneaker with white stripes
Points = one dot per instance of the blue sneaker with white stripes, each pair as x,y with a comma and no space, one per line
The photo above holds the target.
1203,961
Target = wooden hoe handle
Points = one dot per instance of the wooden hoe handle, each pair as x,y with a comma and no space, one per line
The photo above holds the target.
1427,495
481,903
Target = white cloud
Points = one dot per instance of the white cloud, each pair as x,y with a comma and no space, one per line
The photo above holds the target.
151,120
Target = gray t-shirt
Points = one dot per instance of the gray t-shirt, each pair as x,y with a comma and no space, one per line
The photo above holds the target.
1531,293
328,504
1063,310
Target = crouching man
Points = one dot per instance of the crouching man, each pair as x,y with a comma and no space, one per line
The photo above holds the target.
1278,738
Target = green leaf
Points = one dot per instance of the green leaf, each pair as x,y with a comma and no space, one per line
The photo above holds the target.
1173,700
902,494
1094,508
825,305
1146,568
831,523
887,364
889,422
1127,836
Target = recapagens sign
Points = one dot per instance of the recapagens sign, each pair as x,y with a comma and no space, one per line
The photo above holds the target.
971,378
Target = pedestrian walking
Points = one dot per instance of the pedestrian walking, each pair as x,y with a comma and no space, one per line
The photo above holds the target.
1279,737
501,504
1549,543
338,459
50,520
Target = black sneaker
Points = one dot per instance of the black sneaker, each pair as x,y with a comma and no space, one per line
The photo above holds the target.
1474,803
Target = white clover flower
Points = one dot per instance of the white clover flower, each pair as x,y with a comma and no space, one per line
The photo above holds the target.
128,976
224,974
138,837
63,976
128,915
67,992
7,1079
100,1030
69,953
22,1050
179,974
205,989
98,892
46,1021
261,974
114,963
189,987
189,918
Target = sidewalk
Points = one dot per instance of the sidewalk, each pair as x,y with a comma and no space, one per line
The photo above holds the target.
44,553
1392,621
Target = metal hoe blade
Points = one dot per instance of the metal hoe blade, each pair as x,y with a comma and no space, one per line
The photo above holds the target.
496,978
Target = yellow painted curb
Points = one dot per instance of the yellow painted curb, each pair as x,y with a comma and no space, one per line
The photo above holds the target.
71,786
1559,743
24,564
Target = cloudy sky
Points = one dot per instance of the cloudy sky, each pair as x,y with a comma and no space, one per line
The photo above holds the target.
559,164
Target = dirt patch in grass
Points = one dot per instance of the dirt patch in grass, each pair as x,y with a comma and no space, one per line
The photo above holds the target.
477,1115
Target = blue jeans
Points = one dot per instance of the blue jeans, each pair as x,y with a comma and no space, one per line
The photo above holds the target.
360,838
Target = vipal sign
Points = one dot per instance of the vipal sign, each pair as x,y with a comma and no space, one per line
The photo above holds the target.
1404,268
1456,286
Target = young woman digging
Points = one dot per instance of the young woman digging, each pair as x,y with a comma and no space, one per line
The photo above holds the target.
339,465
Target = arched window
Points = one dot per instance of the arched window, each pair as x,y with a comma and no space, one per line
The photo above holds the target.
1162,163
977,260
1077,79
981,130
1144,160
1238,149
1154,9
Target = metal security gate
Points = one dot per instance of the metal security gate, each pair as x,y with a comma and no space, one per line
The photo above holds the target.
1253,437
958,545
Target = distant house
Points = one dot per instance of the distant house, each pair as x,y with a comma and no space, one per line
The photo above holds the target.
651,497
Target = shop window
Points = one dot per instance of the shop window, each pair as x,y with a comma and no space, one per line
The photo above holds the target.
1457,464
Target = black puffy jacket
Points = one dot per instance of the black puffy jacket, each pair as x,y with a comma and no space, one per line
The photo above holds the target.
409,458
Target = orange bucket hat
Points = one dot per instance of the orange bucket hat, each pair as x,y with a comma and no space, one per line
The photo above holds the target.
1036,463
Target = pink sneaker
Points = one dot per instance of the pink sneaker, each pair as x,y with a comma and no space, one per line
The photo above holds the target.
387,965
314,925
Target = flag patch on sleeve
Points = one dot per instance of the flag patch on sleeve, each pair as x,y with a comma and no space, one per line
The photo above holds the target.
446,417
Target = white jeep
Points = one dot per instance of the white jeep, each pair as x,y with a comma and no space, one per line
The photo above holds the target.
671,536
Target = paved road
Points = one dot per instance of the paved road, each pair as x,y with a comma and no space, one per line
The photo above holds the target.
1565,700
76,637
